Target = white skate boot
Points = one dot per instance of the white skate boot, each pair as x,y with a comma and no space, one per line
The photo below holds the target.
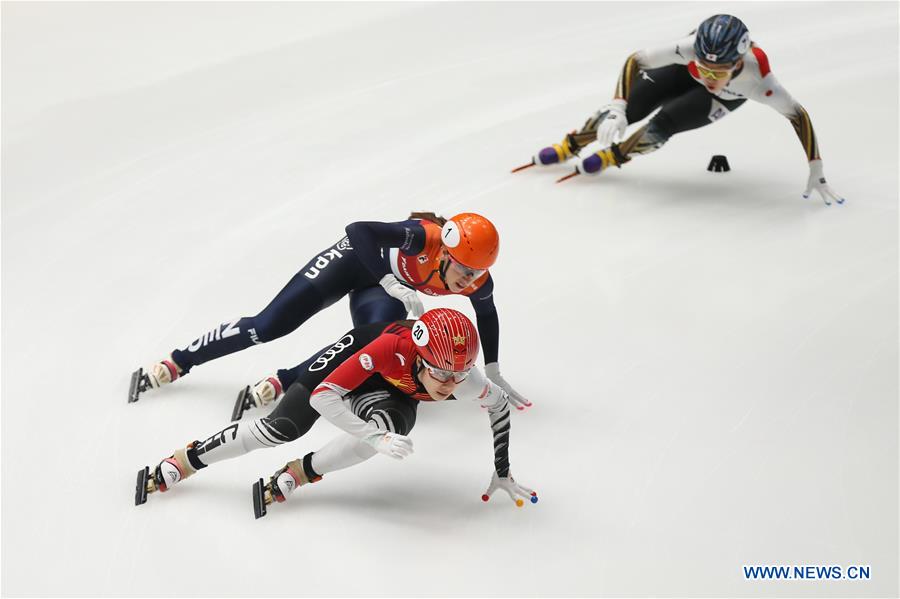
157,375
261,394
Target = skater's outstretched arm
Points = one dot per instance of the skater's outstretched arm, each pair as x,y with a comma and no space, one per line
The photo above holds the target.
478,388
772,93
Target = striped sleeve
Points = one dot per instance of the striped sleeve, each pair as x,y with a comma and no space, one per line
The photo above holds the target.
478,388
499,415
627,76
773,94
680,52
804,129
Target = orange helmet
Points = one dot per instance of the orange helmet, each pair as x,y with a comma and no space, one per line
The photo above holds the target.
472,240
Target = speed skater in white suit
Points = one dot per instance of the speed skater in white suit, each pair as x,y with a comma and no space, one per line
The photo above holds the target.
694,81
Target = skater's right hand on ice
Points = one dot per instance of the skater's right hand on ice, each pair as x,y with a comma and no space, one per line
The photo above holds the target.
390,444
817,181
408,296
613,126
515,491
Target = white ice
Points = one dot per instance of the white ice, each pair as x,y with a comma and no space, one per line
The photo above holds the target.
713,359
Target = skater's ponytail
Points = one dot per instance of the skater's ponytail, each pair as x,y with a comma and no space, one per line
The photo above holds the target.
429,216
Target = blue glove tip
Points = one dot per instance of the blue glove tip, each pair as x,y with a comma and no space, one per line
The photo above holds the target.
534,499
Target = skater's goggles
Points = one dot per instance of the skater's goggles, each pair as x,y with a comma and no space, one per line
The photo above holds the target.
441,375
471,273
717,73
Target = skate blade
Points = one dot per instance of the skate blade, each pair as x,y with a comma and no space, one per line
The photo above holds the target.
241,404
569,176
261,499
524,166
140,488
134,390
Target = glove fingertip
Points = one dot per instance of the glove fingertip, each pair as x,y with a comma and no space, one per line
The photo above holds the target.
519,503
485,497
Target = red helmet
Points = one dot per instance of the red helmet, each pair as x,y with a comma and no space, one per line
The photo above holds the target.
446,339
472,240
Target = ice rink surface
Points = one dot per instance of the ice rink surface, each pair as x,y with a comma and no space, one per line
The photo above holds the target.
713,359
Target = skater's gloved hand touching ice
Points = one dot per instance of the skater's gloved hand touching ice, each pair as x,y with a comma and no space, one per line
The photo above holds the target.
612,128
817,182
516,492
408,296
515,398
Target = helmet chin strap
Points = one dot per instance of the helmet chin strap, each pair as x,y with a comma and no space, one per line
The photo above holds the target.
442,270
419,368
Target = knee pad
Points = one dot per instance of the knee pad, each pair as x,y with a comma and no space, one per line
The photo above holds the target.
277,430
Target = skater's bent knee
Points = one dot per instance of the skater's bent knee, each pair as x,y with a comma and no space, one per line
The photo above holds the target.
282,429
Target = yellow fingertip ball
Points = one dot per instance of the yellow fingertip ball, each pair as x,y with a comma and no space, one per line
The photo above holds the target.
519,503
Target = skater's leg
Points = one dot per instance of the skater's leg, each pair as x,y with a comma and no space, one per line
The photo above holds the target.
693,109
321,282
289,421
294,304
311,371
389,410
373,304
648,91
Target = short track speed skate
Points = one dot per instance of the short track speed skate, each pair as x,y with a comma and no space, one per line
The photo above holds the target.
161,373
140,382
262,496
261,394
283,483
171,470
568,148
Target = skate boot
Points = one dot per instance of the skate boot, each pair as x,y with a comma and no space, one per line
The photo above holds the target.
568,148
283,483
598,162
161,373
261,394
168,472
